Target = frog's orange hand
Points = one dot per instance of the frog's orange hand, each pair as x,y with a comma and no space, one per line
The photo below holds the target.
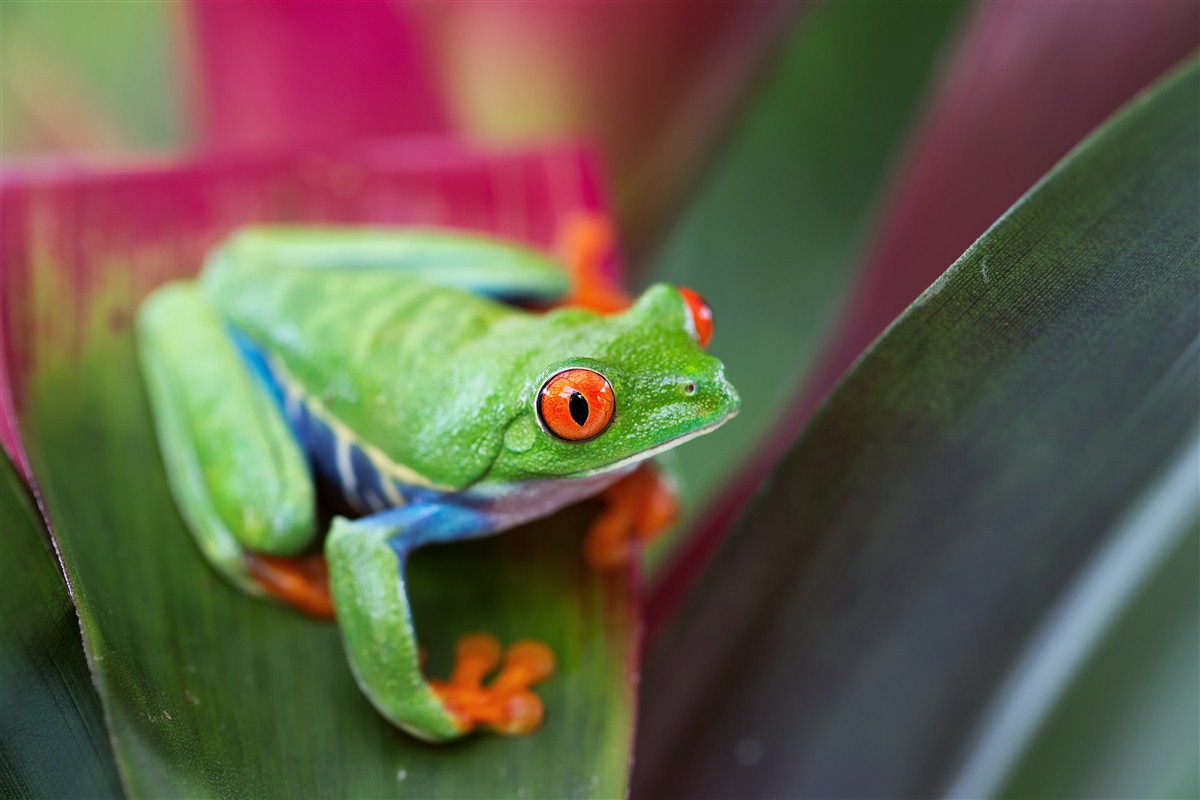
637,508
301,582
506,705
585,243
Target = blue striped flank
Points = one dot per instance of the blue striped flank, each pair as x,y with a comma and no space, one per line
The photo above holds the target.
338,460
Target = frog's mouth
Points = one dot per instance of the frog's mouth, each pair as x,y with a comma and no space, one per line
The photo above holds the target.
651,452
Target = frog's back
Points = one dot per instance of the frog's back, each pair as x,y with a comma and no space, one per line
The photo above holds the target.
367,364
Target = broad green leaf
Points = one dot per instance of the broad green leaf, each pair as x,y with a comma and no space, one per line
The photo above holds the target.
945,577
52,737
207,691
1121,725
776,228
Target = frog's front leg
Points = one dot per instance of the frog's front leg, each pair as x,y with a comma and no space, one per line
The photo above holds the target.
240,479
366,569
637,509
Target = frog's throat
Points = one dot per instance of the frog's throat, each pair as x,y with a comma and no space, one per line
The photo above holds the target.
651,452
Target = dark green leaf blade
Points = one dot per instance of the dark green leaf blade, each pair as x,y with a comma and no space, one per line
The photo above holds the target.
851,635
52,737
1120,727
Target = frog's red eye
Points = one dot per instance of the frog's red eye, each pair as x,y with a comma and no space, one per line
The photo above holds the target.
576,404
699,316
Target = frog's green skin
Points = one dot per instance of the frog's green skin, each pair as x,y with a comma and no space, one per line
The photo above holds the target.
381,357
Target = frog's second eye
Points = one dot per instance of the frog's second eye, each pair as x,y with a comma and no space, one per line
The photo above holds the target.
576,404
699,316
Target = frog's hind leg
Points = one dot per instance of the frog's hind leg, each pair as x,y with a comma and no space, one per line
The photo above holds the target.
637,508
586,244
238,476
366,561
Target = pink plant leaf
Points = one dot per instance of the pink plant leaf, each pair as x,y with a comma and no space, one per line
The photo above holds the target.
82,246
275,73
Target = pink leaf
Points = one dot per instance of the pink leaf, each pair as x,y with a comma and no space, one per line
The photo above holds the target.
650,83
168,215
311,72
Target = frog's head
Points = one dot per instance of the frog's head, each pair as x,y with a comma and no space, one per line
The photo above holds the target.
606,392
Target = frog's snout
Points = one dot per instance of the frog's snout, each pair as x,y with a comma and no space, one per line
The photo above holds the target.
712,392
732,397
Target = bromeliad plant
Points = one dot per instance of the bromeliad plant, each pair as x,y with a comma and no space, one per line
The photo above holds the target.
174,669
972,574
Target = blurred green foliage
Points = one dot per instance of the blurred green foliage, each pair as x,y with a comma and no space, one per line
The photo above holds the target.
104,75
773,234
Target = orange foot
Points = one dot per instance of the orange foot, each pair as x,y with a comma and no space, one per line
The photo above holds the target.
506,706
637,508
585,242
301,582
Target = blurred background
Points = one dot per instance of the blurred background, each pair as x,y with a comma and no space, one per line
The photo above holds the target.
811,168
651,85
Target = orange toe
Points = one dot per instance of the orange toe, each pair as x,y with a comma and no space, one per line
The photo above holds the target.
302,582
476,655
520,715
506,706
526,663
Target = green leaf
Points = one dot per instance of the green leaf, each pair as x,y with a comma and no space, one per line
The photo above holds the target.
210,692
942,587
773,234
52,738
1121,724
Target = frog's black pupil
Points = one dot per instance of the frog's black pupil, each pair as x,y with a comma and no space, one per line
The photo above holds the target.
579,408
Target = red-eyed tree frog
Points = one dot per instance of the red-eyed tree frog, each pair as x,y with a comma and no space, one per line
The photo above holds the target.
394,365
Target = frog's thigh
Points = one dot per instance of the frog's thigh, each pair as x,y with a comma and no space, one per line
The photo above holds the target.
238,476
